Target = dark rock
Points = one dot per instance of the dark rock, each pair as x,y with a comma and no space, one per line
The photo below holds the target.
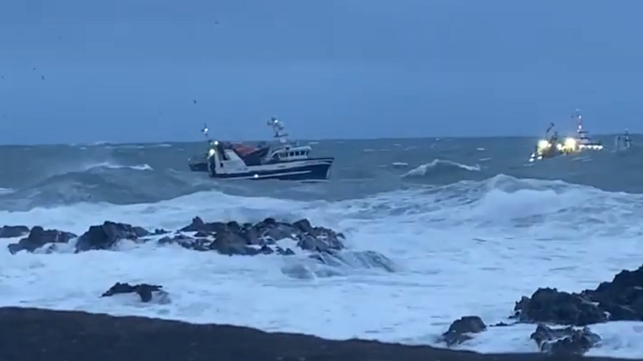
231,238
198,225
618,300
285,252
39,237
72,335
195,244
202,234
106,236
159,231
304,226
13,231
227,238
229,243
144,290
564,341
622,298
251,235
461,330
549,305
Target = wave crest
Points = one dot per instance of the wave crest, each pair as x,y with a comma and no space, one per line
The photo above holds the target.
440,166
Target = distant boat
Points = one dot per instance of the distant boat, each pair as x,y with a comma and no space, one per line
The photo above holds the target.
285,160
584,140
550,147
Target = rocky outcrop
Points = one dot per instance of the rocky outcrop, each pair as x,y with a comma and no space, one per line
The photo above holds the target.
462,330
228,238
564,341
323,245
13,231
70,335
107,235
549,305
618,300
39,237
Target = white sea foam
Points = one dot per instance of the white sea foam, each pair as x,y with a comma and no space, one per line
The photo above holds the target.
440,164
470,248
117,166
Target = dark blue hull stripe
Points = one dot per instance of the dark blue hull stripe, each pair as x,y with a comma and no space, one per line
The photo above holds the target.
318,171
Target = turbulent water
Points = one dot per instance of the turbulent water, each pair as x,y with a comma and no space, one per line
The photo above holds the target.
470,224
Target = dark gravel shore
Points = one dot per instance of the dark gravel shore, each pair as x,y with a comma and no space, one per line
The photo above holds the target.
35,334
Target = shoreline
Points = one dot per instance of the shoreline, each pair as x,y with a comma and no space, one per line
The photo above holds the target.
41,334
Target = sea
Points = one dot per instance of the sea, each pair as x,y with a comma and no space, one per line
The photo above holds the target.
469,223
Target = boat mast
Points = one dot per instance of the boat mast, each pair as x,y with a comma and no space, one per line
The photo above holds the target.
278,128
579,122
206,134
582,134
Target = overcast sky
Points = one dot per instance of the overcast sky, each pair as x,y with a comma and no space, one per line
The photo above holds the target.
130,70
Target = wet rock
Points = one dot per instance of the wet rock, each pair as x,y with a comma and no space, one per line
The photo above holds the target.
38,237
462,329
618,300
106,236
548,305
564,341
230,243
159,231
622,298
13,231
232,238
228,238
144,290
202,234
185,241
285,252
198,225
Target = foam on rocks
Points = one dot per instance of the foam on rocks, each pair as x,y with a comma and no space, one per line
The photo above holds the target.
562,324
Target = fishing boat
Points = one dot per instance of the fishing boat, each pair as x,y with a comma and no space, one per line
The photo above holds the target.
551,147
283,159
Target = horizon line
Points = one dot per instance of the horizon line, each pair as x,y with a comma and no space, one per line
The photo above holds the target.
97,143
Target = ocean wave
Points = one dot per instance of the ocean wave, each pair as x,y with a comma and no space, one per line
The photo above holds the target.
511,235
103,182
439,166
109,165
500,201
473,243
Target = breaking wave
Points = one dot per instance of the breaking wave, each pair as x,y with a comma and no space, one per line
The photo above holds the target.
426,243
103,182
440,166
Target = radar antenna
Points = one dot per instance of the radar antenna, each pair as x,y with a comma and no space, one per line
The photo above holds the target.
279,129
206,132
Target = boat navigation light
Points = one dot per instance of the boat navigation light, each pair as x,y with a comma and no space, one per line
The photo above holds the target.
543,144
570,143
